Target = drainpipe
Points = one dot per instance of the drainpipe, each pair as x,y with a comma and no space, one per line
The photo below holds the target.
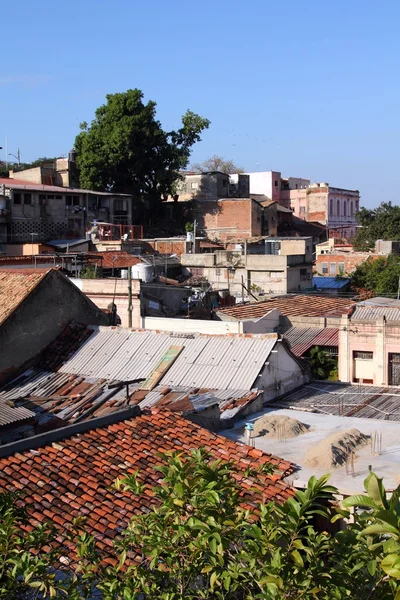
129,297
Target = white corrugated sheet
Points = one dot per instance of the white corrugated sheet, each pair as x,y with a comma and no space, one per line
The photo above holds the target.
371,313
210,362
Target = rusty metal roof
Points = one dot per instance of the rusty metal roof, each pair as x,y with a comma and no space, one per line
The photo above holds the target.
299,305
301,339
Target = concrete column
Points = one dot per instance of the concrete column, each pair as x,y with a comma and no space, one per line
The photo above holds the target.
344,350
381,375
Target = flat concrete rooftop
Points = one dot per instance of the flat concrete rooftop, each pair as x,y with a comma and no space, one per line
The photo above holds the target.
349,400
386,465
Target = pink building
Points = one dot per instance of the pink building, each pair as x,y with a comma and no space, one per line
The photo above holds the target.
333,207
369,343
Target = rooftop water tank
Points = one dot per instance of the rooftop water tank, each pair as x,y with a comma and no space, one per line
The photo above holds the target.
143,272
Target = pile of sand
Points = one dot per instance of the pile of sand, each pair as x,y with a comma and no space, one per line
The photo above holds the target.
279,426
335,450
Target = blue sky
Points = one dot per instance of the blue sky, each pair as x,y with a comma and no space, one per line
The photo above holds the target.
309,88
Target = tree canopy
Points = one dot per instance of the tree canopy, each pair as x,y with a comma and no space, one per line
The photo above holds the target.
199,542
217,163
380,275
125,149
382,223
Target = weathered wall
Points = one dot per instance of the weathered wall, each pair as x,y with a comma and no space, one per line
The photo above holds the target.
229,218
267,324
42,317
103,292
281,374
331,264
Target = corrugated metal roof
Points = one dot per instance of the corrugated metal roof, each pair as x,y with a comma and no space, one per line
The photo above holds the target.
330,283
10,414
371,313
302,339
205,361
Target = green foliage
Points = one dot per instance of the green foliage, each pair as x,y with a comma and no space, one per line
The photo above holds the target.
125,149
217,163
380,276
322,364
90,272
189,227
382,223
197,542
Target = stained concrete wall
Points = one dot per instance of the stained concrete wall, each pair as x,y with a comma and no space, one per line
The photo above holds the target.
103,292
281,374
41,318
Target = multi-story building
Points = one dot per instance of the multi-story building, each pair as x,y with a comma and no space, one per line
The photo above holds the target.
333,207
212,186
40,204
369,348
268,266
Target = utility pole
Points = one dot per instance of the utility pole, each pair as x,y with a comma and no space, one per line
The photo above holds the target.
242,290
398,290
129,296
194,237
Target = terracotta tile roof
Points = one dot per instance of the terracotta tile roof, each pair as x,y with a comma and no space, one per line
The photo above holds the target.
116,260
15,287
73,476
307,306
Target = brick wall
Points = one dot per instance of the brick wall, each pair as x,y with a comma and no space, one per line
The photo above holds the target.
332,262
227,219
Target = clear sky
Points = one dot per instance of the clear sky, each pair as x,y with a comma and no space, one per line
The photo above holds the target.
308,88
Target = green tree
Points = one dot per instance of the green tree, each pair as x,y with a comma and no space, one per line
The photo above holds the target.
198,542
217,163
380,276
125,149
322,364
382,223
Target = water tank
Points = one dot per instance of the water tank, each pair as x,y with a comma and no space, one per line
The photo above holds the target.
124,273
189,236
72,155
143,272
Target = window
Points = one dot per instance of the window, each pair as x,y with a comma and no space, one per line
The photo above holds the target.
27,198
276,274
362,355
324,268
331,206
338,208
332,268
50,196
17,198
351,208
297,186
303,272
276,183
58,197
344,208
340,267
120,205
218,272
302,209
71,200
194,185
